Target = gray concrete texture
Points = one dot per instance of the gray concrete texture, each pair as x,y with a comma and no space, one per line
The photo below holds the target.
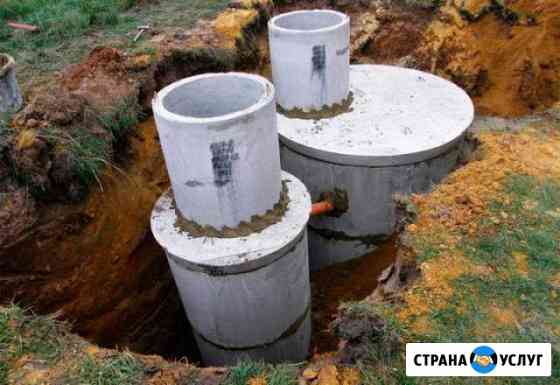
401,136
310,56
248,309
293,347
372,208
10,95
398,116
246,295
219,138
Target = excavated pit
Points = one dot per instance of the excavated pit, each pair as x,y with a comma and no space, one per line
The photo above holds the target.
104,271
330,287
165,330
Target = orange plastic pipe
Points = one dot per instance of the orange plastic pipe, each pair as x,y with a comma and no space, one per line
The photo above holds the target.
321,208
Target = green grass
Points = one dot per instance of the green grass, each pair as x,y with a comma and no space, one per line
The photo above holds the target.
86,154
273,374
24,333
243,372
282,375
58,20
45,340
122,369
532,229
71,28
3,373
181,13
121,121
65,30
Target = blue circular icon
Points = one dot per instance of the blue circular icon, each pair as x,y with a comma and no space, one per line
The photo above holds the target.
484,359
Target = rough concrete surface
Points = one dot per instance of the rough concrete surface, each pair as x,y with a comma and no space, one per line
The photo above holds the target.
310,55
241,294
10,95
219,138
398,116
372,209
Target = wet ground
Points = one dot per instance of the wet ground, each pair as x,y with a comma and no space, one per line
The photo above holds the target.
350,281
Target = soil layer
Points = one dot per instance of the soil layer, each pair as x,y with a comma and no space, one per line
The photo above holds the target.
91,259
347,282
511,68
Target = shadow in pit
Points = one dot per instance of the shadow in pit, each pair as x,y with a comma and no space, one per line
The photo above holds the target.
163,330
166,331
350,281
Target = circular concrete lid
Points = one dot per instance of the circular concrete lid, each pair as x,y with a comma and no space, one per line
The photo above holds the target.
398,116
233,255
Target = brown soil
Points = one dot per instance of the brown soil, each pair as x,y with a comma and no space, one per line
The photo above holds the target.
453,211
382,33
351,281
17,214
77,259
109,60
102,78
510,69
324,113
95,262
399,34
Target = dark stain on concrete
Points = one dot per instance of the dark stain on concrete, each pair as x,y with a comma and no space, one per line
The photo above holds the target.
223,156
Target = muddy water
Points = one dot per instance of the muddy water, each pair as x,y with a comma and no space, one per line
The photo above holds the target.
350,281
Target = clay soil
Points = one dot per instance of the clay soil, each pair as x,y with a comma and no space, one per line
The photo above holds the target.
94,262
510,68
347,282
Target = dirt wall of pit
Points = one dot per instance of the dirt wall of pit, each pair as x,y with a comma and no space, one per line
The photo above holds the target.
93,261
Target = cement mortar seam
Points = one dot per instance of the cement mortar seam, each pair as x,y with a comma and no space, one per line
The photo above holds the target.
290,331
232,255
452,147
388,125
216,271
257,224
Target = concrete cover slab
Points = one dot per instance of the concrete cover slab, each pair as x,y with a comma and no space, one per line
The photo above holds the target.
398,116
233,255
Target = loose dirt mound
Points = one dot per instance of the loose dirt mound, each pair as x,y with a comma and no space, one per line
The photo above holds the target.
101,79
453,212
506,57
